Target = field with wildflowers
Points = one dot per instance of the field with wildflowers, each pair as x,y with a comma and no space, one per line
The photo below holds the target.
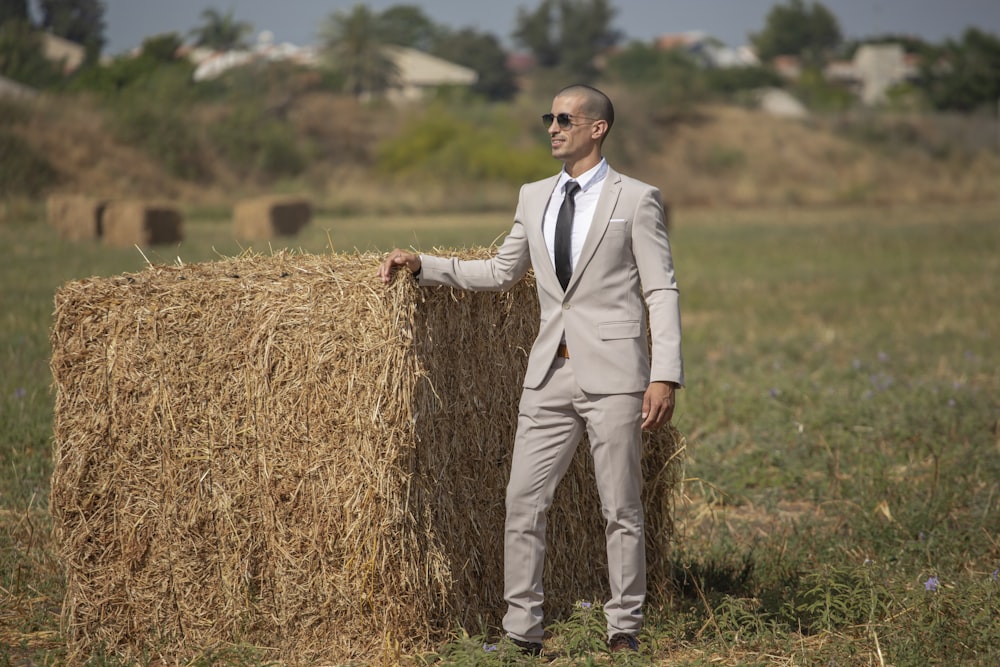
842,495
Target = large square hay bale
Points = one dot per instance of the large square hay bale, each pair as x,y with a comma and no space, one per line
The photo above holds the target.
264,218
76,217
282,451
128,223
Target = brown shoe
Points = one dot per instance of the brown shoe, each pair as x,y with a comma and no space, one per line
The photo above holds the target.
623,642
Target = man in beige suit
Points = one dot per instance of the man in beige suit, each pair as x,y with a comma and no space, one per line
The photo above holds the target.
601,257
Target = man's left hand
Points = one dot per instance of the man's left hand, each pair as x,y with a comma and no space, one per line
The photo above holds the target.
657,405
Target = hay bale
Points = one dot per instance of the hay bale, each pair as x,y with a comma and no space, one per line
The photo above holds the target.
281,451
267,217
76,217
128,223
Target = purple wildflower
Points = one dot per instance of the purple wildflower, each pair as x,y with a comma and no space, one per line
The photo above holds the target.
931,584
489,648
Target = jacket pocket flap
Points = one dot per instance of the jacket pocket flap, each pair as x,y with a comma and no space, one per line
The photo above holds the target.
615,330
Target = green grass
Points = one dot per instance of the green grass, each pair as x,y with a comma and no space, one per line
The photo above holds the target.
842,502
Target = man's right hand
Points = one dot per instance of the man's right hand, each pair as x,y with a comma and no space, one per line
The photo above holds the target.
396,259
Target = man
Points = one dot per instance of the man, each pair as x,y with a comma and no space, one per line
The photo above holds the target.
597,241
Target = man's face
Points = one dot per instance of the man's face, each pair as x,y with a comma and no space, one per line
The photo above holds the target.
571,143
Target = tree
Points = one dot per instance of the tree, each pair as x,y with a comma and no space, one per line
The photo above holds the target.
21,57
13,10
568,34
483,53
535,31
221,32
407,25
672,77
355,48
155,75
585,32
162,48
80,21
965,75
794,29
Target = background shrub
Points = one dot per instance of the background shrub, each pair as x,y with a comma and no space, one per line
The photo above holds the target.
477,146
256,145
23,171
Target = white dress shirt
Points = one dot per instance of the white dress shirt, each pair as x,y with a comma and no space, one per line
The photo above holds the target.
586,203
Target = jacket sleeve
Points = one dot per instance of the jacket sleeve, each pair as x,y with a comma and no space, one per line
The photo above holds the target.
655,263
510,263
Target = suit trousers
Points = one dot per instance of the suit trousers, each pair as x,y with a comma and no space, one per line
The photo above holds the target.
551,423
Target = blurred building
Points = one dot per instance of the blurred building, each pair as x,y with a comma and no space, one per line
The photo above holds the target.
418,71
69,55
879,67
869,75
706,49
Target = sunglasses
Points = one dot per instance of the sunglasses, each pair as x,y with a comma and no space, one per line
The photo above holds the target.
565,120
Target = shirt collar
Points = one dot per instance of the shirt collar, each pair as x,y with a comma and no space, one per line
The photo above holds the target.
587,179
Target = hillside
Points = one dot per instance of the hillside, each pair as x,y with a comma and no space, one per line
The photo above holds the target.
714,156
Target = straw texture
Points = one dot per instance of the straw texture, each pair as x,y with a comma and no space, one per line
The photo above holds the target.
284,452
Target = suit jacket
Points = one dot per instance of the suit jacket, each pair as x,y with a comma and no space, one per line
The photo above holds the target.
625,268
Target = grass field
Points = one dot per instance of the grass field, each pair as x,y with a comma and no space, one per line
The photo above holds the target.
842,500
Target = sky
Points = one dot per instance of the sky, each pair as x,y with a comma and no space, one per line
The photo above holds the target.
128,22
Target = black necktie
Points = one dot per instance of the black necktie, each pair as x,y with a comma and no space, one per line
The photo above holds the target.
564,234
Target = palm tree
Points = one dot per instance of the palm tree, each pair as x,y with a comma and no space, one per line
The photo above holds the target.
221,32
353,46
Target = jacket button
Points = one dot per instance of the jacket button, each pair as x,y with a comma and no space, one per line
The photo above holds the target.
566,306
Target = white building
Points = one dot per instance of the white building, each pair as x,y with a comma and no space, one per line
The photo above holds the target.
418,71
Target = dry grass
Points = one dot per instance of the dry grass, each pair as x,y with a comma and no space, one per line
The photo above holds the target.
730,156
282,452
717,156
73,134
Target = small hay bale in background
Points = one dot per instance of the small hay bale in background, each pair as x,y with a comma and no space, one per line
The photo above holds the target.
282,451
263,218
128,223
76,217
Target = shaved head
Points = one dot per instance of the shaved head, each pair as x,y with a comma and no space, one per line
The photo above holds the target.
595,103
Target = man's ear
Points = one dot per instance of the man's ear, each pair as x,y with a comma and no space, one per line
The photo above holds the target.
600,129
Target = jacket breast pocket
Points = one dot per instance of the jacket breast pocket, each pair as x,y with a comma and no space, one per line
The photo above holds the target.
617,225
618,330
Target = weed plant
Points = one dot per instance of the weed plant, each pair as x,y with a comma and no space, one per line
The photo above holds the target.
843,470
